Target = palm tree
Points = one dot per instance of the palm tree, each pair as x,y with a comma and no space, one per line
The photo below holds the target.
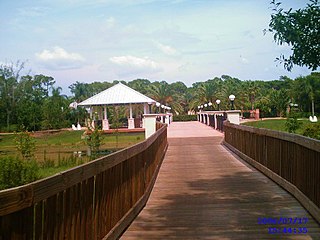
162,93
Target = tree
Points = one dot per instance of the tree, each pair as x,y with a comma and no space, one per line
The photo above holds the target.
279,101
162,93
25,144
140,85
307,90
81,91
9,75
54,110
300,29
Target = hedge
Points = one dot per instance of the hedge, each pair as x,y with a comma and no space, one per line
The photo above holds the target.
184,118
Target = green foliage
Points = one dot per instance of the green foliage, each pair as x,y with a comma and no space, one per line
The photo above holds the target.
246,114
279,101
15,172
93,140
36,103
184,118
300,30
312,130
25,144
292,124
47,163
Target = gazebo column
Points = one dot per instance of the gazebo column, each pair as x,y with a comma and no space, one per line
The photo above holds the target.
145,111
130,120
105,122
145,108
91,124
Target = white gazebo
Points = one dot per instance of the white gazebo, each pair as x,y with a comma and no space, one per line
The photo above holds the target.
119,94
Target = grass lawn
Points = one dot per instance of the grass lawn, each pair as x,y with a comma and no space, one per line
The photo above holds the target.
58,151
275,124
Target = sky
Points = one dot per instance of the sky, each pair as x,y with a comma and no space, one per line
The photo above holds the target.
171,40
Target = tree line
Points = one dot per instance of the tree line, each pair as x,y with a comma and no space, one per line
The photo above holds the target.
36,103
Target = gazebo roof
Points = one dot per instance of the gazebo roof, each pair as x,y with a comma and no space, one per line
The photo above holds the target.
117,94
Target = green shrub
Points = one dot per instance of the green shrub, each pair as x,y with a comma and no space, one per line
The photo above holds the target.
312,130
184,118
93,140
68,161
30,172
11,128
25,144
246,114
15,172
292,125
47,163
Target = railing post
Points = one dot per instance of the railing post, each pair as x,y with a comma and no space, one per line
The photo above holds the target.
149,123
233,116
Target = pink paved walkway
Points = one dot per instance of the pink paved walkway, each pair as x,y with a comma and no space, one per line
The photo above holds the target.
205,192
191,129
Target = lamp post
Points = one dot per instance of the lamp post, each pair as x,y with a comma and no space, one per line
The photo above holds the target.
162,106
149,104
232,97
210,105
205,106
158,107
218,103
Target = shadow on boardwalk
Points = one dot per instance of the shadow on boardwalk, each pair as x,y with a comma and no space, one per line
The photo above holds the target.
205,192
222,209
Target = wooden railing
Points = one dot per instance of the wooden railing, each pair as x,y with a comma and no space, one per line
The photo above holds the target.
293,161
93,201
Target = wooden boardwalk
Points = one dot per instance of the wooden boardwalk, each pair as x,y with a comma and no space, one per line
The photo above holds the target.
205,192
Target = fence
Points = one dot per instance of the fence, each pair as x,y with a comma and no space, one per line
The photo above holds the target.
93,201
294,160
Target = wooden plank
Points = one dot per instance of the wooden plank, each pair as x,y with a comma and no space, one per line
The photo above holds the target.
18,225
15,199
204,192
38,221
50,218
306,142
25,196
60,216
85,202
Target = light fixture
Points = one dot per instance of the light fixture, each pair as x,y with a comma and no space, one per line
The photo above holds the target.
232,97
218,103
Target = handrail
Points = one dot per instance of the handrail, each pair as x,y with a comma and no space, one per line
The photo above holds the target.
91,201
291,160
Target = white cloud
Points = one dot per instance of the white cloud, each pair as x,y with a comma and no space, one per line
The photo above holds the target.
60,59
107,24
135,62
110,21
32,11
168,50
131,66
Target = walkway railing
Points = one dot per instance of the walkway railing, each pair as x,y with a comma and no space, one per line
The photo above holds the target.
293,161
93,201
215,119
